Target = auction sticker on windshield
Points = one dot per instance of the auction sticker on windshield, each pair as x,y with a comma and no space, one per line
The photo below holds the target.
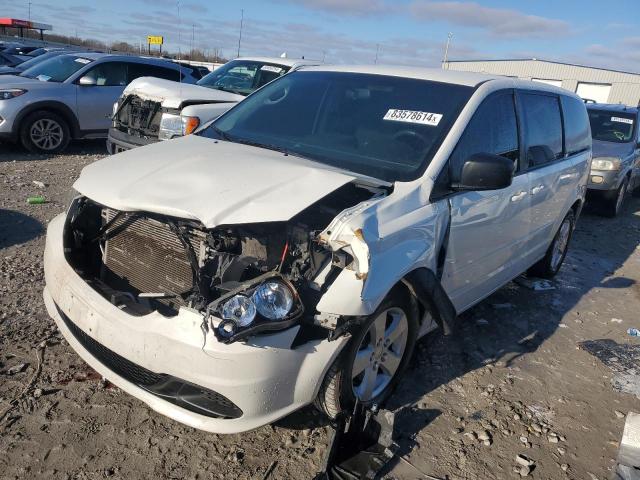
270,68
622,120
412,116
83,60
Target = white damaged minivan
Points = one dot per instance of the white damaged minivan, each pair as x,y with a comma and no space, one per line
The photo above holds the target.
293,251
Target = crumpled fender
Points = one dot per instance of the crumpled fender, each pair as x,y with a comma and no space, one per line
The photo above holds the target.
395,234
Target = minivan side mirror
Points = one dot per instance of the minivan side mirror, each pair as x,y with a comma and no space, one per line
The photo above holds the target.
485,171
87,81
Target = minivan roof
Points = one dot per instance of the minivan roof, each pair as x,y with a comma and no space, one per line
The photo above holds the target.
616,107
470,79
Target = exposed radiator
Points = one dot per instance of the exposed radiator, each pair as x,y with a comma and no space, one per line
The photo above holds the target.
146,256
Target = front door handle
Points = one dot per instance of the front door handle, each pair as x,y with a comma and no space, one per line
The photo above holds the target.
518,196
536,190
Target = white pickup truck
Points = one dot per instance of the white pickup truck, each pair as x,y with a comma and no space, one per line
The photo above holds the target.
152,109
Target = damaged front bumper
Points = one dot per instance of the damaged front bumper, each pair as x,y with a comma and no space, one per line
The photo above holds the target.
258,381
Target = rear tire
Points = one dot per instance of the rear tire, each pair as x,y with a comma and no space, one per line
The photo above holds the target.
550,264
45,132
615,203
391,351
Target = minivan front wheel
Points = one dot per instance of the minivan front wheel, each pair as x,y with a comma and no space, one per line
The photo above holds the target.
45,132
374,360
549,266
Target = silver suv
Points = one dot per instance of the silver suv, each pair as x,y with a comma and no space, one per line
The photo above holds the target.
71,96
615,169
294,250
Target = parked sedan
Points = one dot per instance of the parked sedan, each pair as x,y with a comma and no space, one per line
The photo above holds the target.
615,169
71,96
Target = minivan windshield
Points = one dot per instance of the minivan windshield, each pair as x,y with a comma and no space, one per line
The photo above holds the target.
611,126
242,76
56,69
381,126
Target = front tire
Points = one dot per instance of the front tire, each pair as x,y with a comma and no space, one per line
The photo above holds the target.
550,264
615,203
45,132
374,360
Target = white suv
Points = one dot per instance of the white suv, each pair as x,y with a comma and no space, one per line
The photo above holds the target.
295,250
152,109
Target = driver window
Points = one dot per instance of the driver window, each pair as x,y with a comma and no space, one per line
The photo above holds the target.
111,74
493,129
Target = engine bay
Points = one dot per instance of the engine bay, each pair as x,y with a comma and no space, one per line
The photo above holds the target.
144,262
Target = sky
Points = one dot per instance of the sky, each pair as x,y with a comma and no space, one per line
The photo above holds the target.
407,32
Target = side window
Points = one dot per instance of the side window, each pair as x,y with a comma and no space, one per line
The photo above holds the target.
493,129
577,131
543,127
109,74
137,70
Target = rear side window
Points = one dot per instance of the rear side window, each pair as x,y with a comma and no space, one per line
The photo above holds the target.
543,127
137,70
493,129
577,132
109,74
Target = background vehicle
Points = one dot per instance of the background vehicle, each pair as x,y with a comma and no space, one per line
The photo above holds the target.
615,169
21,67
9,60
151,109
71,96
310,235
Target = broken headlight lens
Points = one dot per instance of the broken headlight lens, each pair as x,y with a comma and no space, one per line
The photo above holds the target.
172,125
273,300
240,309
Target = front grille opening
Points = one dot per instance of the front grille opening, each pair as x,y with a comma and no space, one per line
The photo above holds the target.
135,261
138,117
187,395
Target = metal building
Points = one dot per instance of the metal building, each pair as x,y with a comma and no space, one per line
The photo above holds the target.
592,83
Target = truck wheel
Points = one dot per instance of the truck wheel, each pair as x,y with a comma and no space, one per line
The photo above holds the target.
45,132
373,361
615,202
550,264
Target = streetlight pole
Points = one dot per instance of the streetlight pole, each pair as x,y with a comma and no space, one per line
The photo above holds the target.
241,23
445,66
377,52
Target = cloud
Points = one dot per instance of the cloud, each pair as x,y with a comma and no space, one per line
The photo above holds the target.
500,22
345,7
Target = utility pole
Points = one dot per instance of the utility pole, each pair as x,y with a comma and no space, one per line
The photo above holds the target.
240,37
377,52
29,15
445,66
193,38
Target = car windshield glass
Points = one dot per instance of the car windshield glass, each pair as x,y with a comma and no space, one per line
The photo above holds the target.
611,126
380,126
242,76
56,69
34,61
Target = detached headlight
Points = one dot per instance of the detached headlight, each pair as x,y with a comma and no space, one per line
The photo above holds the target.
605,163
271,305
172,125
10,93
273,300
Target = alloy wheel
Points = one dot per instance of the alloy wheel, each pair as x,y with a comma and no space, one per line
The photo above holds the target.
46,134
380,354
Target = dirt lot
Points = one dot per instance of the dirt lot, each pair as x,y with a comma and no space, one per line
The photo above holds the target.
518,379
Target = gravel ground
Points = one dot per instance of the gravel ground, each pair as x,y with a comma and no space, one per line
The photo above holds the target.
547,374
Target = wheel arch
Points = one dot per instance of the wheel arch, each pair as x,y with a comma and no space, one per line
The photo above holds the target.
53,106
